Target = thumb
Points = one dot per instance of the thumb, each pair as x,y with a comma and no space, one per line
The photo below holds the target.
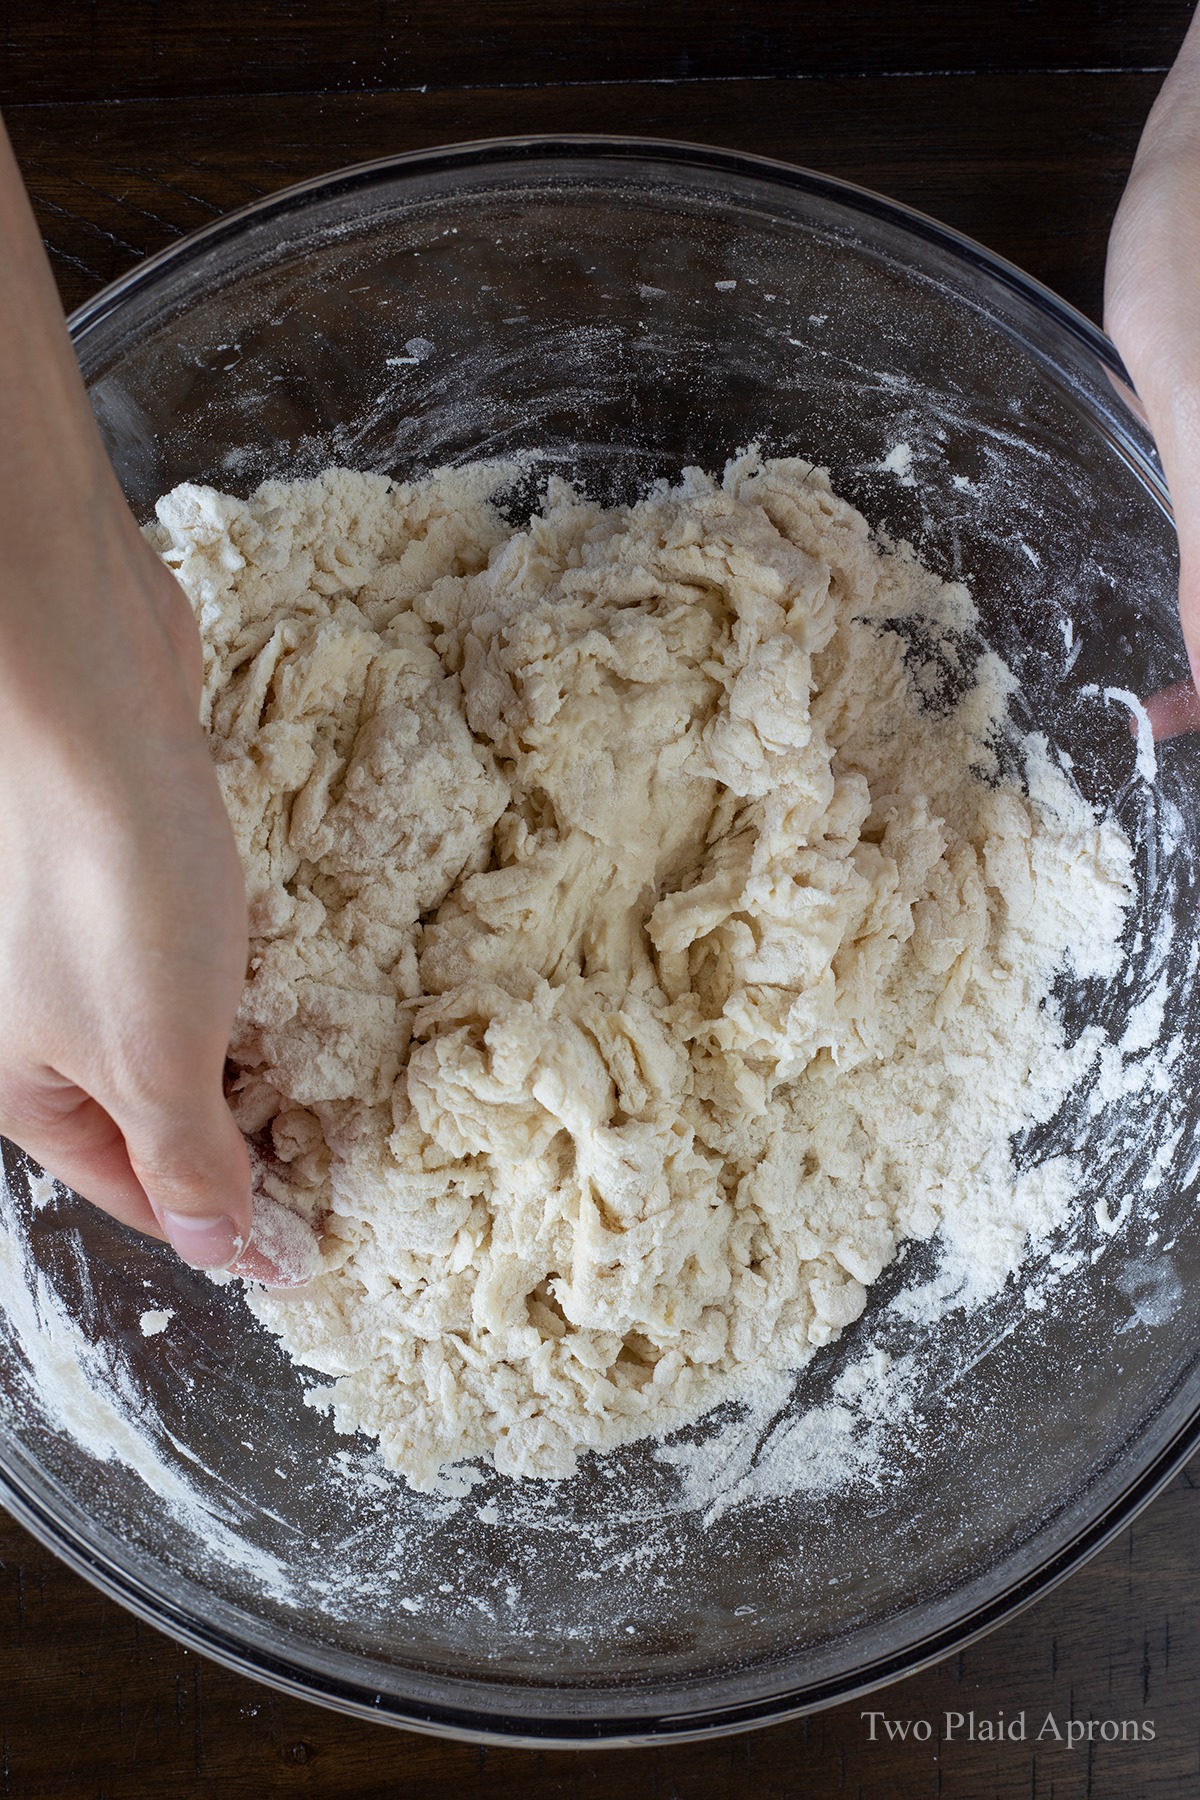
1176,709
191,1161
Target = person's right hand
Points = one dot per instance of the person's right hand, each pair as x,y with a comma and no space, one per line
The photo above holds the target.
123,942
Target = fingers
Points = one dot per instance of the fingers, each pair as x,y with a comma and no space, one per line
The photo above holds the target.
178,1170
1173,710
190,1160
1152,278
1176,709
119,1000
201,1184
1184,479
163,1156
76,1141
1166,365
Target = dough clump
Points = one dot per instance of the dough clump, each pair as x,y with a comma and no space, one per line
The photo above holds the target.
647,937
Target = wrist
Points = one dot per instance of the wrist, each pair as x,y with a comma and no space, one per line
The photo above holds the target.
94,631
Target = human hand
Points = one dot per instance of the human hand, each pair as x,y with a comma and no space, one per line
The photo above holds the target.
123,949
1152,313
124,944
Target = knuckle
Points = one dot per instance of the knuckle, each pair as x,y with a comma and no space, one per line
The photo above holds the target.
32,1101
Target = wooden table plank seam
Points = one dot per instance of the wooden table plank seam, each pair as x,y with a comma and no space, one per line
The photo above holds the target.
793,78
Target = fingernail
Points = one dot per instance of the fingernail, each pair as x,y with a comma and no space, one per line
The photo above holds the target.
204,1243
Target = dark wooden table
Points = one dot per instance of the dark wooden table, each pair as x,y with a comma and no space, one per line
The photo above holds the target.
138,122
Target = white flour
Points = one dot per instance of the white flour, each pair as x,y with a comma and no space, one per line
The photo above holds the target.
83,1389
643,946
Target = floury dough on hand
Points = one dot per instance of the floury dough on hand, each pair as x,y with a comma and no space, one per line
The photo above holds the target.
644,941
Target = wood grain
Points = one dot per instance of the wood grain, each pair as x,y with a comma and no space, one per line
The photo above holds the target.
122,49
1031,165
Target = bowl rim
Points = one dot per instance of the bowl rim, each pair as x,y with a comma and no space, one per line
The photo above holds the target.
508,1726
465,1724
577,147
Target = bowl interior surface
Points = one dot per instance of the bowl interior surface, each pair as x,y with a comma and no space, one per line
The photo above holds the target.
615,313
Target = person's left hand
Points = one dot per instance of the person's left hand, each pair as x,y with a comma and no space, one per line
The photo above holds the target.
1152,313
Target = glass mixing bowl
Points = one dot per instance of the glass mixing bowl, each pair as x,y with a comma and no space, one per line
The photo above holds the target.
626,308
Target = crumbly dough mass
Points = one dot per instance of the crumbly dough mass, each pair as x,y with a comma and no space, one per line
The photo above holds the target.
644,941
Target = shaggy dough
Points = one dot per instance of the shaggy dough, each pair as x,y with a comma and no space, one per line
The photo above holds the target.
644,942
